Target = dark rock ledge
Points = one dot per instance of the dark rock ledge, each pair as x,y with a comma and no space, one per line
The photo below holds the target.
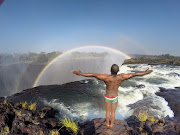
172,96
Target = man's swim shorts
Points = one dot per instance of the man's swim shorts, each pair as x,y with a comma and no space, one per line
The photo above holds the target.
111,99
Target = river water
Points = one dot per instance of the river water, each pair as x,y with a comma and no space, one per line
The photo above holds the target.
88,103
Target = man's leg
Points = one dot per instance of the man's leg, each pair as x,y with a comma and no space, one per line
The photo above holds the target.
113,110
108,111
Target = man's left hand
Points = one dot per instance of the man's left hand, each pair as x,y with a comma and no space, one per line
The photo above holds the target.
77,72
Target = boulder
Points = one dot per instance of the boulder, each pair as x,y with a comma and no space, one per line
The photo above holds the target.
133,122
172,96
49,112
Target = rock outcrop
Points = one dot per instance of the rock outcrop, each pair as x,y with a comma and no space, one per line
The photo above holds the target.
18,118
14,119
132,126
172,96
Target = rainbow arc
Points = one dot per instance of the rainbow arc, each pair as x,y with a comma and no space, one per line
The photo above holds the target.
75,49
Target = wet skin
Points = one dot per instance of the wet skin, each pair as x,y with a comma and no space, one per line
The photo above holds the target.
112,84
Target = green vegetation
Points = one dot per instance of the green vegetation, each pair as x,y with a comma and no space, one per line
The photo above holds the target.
144,133
24,104
54,132
6,103
142,116
152,119
4,131
70,124
42,115
32,106
43,57
28,57
160,59
140,129
18,113
161,122
35,123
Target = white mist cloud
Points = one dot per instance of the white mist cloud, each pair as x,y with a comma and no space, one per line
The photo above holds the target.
129,46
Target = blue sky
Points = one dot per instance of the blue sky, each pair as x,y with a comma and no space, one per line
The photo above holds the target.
132,26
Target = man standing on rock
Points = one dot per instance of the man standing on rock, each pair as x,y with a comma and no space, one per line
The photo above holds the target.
112,82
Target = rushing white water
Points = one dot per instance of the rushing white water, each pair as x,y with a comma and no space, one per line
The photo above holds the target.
144,97
162,76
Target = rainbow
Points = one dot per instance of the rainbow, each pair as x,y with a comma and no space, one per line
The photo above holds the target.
74,49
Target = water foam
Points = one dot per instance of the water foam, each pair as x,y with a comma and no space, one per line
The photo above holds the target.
129,94
78,111
160,77
64,111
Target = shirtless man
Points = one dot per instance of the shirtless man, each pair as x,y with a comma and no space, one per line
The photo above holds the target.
112,82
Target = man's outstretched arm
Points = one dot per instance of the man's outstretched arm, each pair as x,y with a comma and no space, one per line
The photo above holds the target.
96,75
130,75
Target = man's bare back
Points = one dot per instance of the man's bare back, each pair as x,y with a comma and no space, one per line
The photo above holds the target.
112,82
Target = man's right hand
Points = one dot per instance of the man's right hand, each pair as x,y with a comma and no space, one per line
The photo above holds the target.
148,71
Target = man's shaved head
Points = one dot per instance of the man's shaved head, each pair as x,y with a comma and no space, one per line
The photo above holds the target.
114,69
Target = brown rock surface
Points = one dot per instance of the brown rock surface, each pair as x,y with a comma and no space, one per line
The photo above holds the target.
24,121
98,127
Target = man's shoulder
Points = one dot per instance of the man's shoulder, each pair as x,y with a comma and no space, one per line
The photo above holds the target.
121,74
106,75
103,75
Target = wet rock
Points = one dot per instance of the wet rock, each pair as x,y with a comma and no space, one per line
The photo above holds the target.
17,105
26,130
177,88
49,112
22,121
148,126
172,96
133,122
98,127
44,121
140,86
87,128
169,119
2,99
16,126
151,105
26,122
108,132
27,115
170,127
149,123
162,121
162,89
2,122
123,132
47,108
52,122
34,129
157,128
177,127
